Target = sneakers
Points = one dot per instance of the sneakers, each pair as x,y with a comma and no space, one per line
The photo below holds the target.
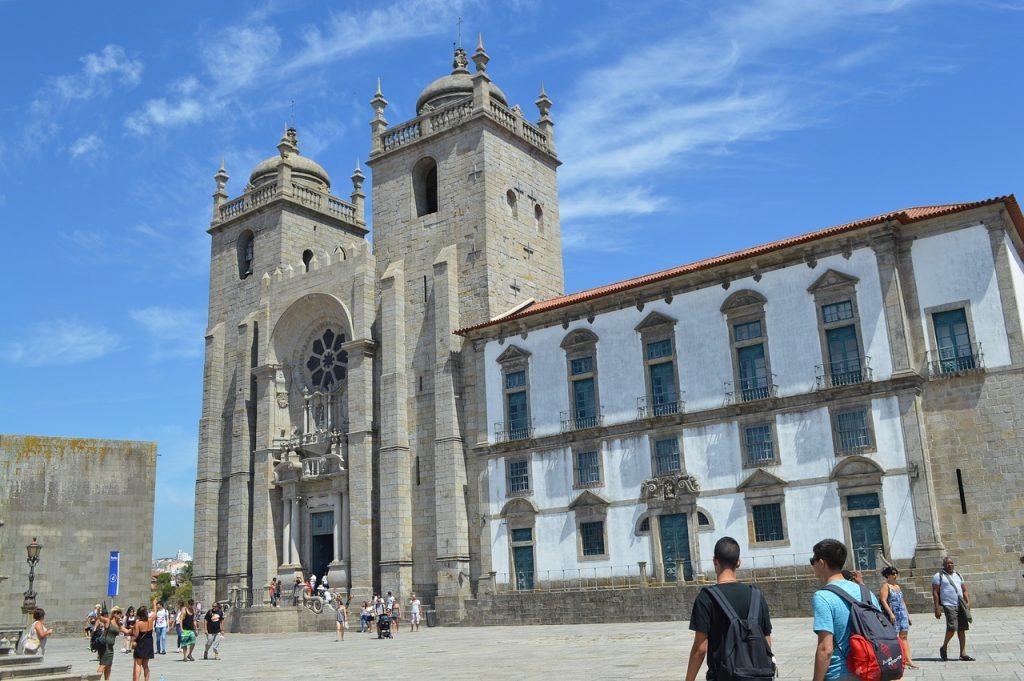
206,656
216,655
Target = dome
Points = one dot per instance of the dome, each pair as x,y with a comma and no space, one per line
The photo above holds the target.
304,169
453,87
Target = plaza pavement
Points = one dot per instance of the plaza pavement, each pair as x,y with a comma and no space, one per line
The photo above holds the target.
588,652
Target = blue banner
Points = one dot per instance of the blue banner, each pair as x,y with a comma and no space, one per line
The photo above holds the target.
114,576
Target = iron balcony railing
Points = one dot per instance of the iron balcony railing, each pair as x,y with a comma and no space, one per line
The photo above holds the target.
952,360
579,422
843,372
515,431
751,389
658,406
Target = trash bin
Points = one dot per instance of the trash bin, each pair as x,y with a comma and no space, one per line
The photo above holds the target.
431,618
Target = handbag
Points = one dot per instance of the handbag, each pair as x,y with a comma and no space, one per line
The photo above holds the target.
31,646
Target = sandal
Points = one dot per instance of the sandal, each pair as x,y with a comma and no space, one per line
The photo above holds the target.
967,658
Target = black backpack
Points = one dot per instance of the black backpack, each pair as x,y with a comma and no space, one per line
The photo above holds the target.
98,639
875,651
744,654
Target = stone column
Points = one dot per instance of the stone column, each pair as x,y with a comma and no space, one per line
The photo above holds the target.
208,479
453,569
1007,294
929,549
395,458
901,346
359,509
286,518
296,533
337,527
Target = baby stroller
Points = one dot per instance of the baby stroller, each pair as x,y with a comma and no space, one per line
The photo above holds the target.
383,626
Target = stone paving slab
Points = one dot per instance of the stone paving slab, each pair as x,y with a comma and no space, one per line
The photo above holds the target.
589,652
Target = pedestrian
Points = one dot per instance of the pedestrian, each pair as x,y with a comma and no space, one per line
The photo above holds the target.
176,618
853,576
215,631
832,613
38,633
296,588
365,617
160,623
273,592
129,623
710,623
187,617
891,597
949,594
90,620
277,594
340,621
142,634
414,613
396,614
113,626
379,610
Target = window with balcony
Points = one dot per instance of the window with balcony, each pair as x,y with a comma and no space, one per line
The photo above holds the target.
844,362
744,311
581,362
515,395
951,335
657,334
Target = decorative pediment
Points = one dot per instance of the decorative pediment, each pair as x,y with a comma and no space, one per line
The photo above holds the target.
857,468
287,471
519,506
832,279
668,487
759,480
744,298
579,337
655,319
513,354
588,500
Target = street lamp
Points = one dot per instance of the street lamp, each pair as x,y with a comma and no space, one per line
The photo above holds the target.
32,550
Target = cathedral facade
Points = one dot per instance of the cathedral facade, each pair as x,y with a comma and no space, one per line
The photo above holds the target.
432,414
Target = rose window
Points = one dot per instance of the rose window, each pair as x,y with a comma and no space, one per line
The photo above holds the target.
327,361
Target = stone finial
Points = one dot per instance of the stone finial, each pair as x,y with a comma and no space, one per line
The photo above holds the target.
358,197
289,143
543,103
219,196
221,177
546,125
480,57
379,124
357,177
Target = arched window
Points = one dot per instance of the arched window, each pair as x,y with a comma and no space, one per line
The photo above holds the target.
538,216
307,256
424,176
510,198
246,253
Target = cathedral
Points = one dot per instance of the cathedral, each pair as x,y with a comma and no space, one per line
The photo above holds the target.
433,414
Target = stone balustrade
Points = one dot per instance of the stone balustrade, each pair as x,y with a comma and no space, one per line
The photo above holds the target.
307,196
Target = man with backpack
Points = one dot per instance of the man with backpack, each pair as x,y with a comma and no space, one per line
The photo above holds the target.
856,640
731,625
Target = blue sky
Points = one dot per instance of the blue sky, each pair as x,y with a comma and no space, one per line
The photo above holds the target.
687,129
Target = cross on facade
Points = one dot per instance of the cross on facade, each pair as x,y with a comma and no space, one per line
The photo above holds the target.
515,286
528,250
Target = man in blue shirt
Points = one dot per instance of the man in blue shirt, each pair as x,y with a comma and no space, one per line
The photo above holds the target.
831,613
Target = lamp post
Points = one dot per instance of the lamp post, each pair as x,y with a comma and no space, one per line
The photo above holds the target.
33,549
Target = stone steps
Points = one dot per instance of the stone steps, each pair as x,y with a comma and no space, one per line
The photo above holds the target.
31,668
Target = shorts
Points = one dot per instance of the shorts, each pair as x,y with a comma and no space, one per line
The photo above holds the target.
956,618
188,637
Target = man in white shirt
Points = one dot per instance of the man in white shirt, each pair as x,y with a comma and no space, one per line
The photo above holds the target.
161,629
948,589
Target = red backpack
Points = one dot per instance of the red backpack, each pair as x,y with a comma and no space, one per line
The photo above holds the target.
876,651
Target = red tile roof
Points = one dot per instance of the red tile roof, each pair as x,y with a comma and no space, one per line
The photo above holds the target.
905,216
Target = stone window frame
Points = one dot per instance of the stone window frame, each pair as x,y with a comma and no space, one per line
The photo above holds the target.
758,420
656,436
579,344
743,307
514,359
859,475
933,344
421,186
642,526
538,217
581,448
701,511
830,288
760,489
834,410
528,492
512,203
589,507
520,514
657,327
245,253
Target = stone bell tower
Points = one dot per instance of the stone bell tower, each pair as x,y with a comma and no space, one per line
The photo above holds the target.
465,215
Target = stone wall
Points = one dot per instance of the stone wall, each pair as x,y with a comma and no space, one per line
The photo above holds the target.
82,499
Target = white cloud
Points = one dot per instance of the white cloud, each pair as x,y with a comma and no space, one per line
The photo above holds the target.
592,204
85,147
175,332
161,113
99,72
235,56
60,342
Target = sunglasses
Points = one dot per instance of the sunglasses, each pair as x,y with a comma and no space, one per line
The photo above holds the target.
814,559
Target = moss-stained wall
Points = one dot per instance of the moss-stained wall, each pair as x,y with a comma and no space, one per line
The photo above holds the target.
82,499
